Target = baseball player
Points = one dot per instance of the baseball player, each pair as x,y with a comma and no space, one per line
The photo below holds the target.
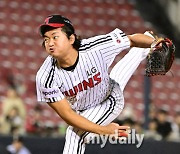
74,79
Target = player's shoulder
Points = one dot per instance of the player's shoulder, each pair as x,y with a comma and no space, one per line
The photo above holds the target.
102,39
93,39
93,42
117,31
46,65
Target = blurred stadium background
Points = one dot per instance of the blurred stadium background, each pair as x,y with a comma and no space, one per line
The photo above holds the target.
21,54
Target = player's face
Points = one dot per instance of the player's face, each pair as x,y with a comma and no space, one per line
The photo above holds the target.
57,44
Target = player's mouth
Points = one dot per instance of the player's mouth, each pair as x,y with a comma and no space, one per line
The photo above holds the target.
51,50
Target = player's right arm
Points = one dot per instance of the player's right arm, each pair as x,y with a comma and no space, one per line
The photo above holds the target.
64,110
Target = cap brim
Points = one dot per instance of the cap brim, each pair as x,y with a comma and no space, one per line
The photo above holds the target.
43,27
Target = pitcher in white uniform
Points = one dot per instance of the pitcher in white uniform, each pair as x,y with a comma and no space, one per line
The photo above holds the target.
74,79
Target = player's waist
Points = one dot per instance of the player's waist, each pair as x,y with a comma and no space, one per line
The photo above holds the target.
109,91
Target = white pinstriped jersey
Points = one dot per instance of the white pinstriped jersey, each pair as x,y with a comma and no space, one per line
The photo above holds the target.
88,84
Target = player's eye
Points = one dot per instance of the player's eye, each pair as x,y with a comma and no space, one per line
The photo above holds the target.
56,37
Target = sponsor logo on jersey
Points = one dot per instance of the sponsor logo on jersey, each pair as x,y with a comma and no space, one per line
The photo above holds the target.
115,35
115,38
118,41
50,92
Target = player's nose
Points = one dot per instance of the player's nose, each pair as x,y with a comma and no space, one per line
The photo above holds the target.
51,42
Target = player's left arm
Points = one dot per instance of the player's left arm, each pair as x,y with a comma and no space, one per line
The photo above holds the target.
140,40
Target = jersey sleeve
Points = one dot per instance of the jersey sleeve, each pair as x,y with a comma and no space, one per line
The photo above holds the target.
46,88
119,42
109,45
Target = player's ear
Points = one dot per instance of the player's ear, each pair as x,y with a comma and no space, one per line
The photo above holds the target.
72,38
43,44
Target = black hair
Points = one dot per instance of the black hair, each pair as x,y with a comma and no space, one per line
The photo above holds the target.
68,31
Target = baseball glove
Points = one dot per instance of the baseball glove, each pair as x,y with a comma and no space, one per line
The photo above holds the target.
160,58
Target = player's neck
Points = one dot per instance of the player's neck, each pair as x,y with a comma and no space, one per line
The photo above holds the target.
69,60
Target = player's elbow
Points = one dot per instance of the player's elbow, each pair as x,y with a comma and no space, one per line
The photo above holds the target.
67,116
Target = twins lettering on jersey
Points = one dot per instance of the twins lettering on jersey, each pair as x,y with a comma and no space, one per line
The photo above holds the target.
84,85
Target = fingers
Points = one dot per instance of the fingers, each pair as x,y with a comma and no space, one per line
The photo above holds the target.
123,131
115,124
123,127
168,41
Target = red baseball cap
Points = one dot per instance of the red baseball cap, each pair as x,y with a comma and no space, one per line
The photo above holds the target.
55,21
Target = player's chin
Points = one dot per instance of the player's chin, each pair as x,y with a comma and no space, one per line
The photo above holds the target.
54,54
